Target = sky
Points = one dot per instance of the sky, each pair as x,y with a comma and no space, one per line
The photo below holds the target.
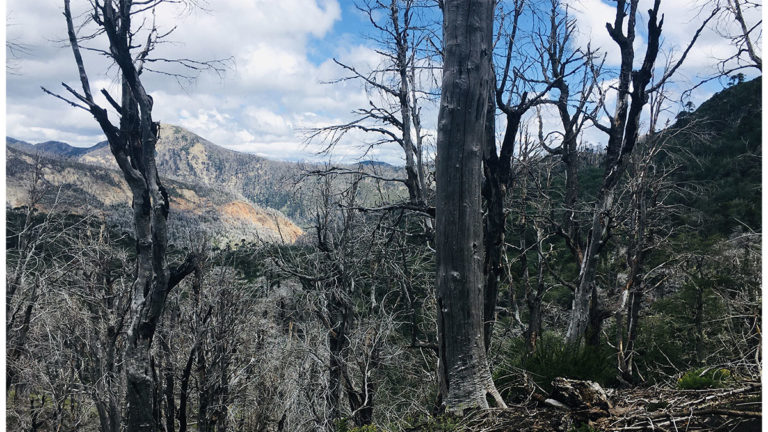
280,60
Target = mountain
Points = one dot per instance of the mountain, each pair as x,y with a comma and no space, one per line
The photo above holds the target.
243,192
65,150
196,209
189,158
374,163
19,144
53,148
186,157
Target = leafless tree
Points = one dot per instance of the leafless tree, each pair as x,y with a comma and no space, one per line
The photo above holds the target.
623,133
748,15
646,200
133,145
397,90
342,274
532,185
100,293
32,264
523,86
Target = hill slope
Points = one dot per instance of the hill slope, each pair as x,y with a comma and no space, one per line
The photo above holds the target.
725,144
195,209
187,157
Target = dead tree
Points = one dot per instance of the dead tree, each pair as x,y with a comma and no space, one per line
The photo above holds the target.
574,73
623,133
22,286
395,90
520,88
132,143
103,297
340,273
647,228
532,186
746,39
465,378
644,215
497,167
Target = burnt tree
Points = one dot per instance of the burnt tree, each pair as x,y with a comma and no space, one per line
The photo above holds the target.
633,90
132,144
465,378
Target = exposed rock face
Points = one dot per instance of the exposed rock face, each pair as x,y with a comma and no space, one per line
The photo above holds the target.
244,213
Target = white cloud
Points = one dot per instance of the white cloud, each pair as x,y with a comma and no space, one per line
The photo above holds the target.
261,105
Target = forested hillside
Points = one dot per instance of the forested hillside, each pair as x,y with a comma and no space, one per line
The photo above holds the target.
563,246
725,162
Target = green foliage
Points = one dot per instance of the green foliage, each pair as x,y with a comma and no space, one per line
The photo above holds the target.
723,139
661,349
553,358
346,425
703,378
443,423
668,335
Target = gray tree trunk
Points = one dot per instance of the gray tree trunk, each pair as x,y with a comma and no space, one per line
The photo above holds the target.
133,146
465,378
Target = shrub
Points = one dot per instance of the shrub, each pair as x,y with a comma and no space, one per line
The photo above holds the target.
345,425
585,427
442,423
553,358
703,378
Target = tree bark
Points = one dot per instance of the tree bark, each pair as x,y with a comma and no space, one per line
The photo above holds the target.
133,146
464,374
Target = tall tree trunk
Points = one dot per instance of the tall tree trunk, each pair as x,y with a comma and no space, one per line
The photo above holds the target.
337,342
698,321
204,393
464,374
493,227
534,298
169,376
133,147
497,171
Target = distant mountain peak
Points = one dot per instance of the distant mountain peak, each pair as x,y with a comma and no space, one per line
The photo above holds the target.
53,148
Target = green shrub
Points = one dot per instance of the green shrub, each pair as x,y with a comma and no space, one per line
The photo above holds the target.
366,428
584,427
346,425
442,423
703,378
553,358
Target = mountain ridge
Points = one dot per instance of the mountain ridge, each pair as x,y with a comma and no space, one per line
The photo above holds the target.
79,187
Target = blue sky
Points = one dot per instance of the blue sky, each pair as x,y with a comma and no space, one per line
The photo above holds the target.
282,53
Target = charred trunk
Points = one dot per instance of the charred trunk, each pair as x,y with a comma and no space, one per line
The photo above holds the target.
465,377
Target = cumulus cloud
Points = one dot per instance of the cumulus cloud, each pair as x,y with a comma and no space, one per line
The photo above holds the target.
280,55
